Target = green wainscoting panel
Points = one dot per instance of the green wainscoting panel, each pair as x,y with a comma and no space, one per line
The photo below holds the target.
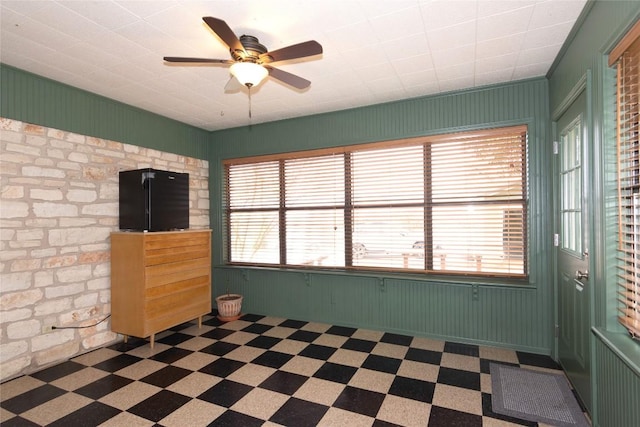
618,387
490,315
34,99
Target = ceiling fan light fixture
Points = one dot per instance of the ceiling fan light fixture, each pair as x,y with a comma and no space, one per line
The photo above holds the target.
249,73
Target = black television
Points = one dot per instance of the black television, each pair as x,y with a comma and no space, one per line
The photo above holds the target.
153,200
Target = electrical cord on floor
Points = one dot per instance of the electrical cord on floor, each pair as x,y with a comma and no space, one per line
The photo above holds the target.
81,327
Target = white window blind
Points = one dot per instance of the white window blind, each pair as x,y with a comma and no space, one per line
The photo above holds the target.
451,204
627,58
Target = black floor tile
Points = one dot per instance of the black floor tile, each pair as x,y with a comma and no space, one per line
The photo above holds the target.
226,393
538,360
294,324
464,349
299,413
320,352
217,333
341,330
214,321
171,355
413,389
103,386
131,344
32,398
93,414
58,371
222,367
159,405
181,326
382,364
359,345
220,348
444,417
380,423
306,336
360,401
252,317
396,339
166,376
263,342
19,422
284,382
257,328
459,378
118,362
272,359
336,372
235,419
424,356
175,339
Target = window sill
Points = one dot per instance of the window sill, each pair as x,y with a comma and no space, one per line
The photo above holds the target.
381,275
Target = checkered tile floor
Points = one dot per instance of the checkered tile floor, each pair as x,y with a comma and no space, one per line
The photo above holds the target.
267,371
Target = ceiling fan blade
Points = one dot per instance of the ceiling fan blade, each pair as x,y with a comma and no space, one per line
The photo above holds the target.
299,50
288,78
197,60
224,32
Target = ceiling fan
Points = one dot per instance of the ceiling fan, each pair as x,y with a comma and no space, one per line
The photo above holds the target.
250,62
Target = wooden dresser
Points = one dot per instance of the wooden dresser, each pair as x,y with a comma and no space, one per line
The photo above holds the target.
159,280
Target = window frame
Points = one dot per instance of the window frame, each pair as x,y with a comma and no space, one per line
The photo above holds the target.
348,207
625,57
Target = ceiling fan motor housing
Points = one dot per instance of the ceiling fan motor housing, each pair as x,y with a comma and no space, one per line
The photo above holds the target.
252,49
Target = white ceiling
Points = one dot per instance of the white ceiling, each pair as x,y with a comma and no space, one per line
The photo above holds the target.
374,50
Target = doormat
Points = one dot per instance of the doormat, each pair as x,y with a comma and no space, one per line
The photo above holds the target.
534,396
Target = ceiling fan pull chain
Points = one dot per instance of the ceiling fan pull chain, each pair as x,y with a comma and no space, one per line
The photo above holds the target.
249,102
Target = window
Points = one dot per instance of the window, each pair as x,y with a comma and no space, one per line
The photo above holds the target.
452,204
626,56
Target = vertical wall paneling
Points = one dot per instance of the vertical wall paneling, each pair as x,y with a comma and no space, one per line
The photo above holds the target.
618,388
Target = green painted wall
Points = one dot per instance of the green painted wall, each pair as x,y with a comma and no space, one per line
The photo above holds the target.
34,99
616,367
518,316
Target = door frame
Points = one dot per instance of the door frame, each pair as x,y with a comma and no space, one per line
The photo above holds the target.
584,84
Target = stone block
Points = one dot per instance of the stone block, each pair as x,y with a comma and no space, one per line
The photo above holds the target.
13,349
23,329
76,273
14,209
18,281
82,196
50,210
56,353
13,192
42,172
55,306
63,291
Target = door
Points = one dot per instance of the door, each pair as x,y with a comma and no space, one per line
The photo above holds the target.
573,250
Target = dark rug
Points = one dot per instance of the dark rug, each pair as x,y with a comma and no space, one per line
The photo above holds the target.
534,396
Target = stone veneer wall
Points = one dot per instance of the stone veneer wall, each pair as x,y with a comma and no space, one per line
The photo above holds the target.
58,206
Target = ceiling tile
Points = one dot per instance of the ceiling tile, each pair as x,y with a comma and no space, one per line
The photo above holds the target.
504,24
